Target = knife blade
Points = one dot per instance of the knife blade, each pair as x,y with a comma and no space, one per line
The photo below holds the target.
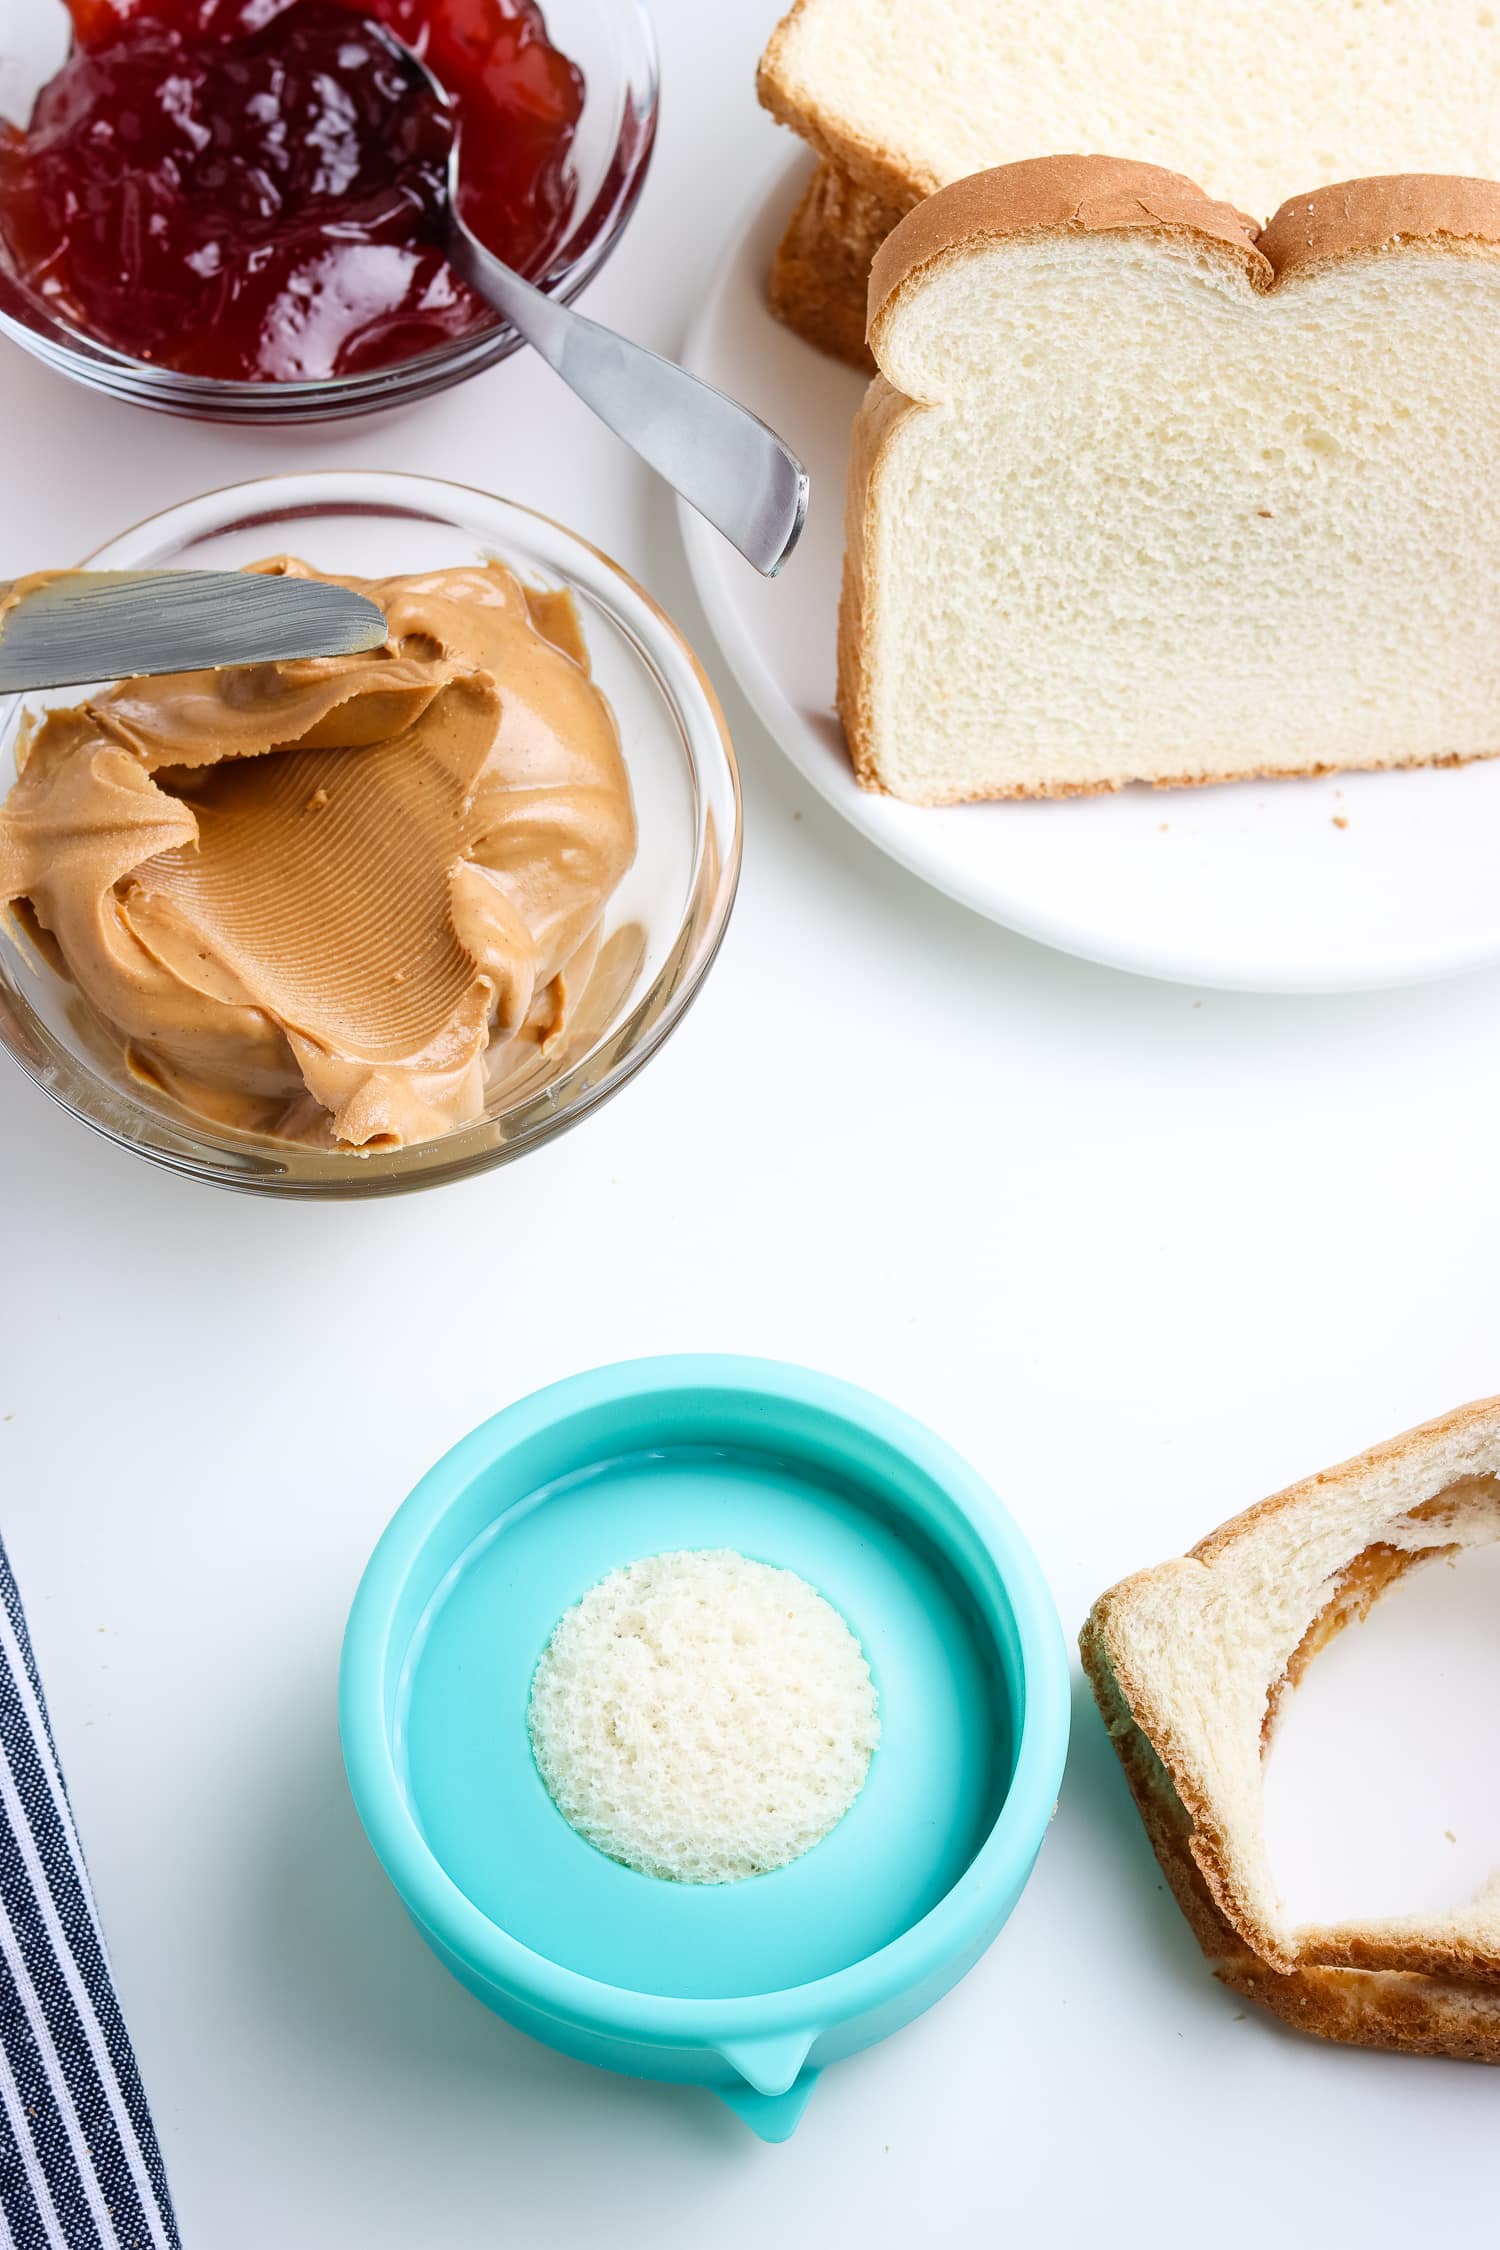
63,628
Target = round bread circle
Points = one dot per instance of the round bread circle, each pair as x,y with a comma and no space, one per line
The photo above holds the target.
702,1717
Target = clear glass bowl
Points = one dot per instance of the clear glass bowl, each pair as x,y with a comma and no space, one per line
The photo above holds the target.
662,927
613,45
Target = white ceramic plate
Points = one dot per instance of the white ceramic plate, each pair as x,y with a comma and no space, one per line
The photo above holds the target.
1249,885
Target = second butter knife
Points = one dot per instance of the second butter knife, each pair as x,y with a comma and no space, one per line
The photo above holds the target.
64,628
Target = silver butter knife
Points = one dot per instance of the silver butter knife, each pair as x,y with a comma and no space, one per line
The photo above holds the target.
722,458
66,627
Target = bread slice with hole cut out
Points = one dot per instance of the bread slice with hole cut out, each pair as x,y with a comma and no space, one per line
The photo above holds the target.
1190,1664
1141,496
902,97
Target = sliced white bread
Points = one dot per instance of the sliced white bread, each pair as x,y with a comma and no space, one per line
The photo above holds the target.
901,97
1189,1664
820,274
1138,496
908,95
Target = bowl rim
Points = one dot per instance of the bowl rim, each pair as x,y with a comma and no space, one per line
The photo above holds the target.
71,351
960,1919
632,1043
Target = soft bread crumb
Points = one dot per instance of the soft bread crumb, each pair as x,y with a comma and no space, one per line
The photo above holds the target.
702,1717
1136,498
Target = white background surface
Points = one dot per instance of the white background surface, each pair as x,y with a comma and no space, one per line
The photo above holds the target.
1143,1253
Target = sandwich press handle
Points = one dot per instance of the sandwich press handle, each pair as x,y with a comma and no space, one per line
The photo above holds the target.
775,2081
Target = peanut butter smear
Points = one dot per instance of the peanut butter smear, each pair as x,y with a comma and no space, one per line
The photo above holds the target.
307,898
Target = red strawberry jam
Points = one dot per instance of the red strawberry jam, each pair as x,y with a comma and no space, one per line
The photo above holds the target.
256,188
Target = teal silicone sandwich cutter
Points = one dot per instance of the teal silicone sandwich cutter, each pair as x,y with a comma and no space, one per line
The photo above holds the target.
750,1988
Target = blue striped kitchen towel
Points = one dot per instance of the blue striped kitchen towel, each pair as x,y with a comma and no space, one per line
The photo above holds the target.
80,2168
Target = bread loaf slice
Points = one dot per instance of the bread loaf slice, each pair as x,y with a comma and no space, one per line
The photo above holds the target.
820,274
901,97
1189,1664
1139,496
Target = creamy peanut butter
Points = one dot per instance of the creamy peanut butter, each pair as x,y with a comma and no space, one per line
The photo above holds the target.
308,898
14,591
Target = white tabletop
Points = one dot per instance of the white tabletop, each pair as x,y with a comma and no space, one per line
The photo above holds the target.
1143,1254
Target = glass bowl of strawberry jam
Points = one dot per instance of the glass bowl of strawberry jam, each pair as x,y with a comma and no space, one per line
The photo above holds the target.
234,209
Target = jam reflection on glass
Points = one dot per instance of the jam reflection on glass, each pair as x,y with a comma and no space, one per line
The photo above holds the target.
255,188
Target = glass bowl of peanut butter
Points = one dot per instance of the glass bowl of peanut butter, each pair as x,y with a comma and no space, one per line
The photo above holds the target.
357,925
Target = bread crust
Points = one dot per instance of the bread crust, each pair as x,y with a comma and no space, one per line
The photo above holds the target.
821,269
1111,195
870,167
1000,794
1358,218
1053,195
1404,1988
1108,195
881,411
